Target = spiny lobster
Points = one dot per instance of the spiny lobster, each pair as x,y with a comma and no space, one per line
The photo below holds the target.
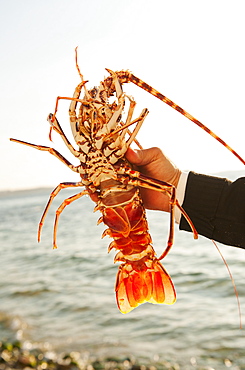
109,180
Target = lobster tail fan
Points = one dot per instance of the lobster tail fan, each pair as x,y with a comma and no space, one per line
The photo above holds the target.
139,282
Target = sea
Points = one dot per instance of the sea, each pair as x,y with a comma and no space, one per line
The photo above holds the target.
64,300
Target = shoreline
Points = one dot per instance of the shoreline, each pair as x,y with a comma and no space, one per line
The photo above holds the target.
16,355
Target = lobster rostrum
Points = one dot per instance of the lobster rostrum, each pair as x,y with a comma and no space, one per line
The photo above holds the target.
103,139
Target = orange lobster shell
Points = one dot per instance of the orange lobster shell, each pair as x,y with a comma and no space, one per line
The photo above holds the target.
141,277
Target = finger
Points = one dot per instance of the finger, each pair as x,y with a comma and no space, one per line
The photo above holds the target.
133,156
144,156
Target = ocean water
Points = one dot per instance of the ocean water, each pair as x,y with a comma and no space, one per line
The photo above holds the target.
64,299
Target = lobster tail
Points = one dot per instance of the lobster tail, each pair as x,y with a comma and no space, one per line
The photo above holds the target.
141,277
143,281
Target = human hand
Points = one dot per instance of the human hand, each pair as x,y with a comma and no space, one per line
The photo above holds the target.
153,163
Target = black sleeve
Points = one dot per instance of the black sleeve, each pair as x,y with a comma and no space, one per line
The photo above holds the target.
216,207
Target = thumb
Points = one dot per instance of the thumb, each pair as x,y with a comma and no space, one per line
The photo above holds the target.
134,156
140,157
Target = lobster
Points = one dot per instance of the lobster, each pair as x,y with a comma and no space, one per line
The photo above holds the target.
110,181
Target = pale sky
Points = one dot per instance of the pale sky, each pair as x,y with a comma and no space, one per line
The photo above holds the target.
191,51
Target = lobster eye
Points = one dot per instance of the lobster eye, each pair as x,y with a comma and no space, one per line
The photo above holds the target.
51,119
50,116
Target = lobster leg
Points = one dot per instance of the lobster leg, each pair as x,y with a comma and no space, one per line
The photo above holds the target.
129,117
54,123
121,100
137,179
137,127
74,100
135,140
162,186
65,203
115,154
52,151
172,202
63,185
112,123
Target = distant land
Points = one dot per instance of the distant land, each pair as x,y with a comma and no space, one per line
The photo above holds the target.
231,175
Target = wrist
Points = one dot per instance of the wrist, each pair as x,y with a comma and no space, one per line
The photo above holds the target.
180,193
176,177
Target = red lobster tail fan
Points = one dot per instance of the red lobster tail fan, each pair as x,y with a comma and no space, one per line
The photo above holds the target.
140,282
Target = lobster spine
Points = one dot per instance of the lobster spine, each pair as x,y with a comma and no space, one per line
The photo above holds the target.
141,277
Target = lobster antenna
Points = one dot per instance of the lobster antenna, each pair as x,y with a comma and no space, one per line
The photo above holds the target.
137,81
77,66
233,283
79,72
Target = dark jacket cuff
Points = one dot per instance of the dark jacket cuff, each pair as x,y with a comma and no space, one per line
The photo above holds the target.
216,207
201,201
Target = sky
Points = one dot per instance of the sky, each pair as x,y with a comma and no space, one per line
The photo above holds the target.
191,51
